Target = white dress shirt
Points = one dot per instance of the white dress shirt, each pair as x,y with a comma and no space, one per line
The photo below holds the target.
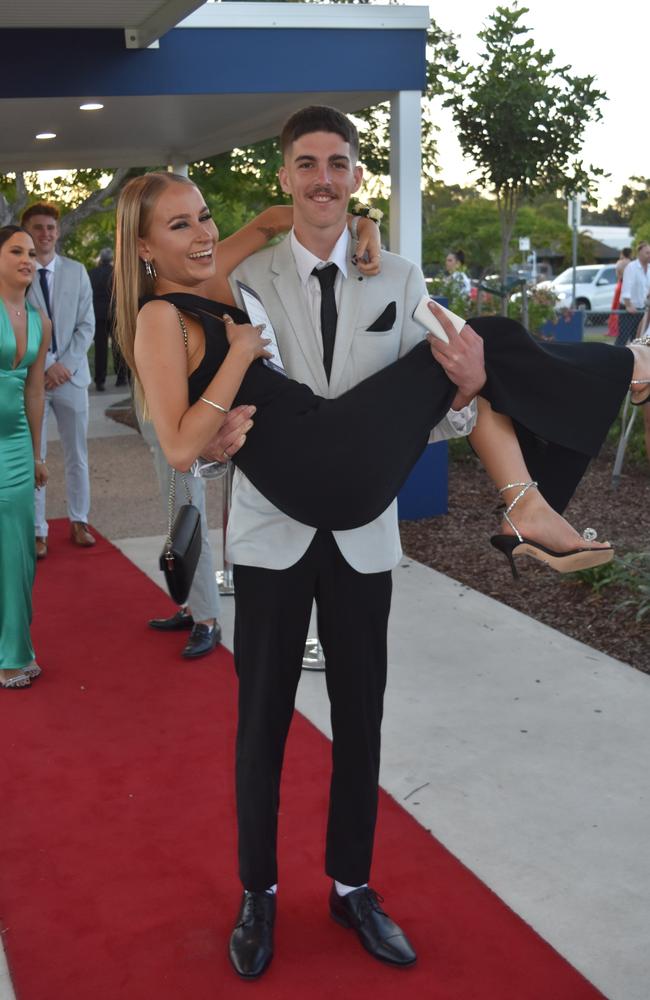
306,261
636,284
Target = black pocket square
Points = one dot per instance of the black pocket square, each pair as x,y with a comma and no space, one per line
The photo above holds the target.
386,321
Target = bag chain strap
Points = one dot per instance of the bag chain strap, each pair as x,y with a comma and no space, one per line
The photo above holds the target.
171,503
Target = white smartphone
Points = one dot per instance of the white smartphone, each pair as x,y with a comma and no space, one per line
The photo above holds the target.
425,317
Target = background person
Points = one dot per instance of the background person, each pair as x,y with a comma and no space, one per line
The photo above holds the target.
634,294
621,264
101,280
61,289
455,268
24,339
200,616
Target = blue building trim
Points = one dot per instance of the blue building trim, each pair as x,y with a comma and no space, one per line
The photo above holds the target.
78,62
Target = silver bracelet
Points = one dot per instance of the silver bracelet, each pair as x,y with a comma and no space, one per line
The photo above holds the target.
221,409
354,228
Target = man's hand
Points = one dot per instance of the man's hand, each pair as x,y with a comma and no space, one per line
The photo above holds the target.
57,374
231,436
462,358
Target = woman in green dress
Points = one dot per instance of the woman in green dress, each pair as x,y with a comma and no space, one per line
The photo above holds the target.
24,339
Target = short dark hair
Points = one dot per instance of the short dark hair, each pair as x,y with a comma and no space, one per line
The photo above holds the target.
319,118
626,252
40,208
6,232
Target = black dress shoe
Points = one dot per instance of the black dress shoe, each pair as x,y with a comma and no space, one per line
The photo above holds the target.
202,640
180,620
251,942
378,934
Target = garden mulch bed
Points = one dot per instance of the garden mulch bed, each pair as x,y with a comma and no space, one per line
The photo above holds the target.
458,545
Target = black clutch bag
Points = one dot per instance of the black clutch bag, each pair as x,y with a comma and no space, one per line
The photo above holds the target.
180,555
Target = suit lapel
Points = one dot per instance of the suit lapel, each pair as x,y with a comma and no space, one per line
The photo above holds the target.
35,294
351,293
292,300
58,304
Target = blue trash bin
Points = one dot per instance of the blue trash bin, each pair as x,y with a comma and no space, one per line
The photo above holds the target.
567,328
426,491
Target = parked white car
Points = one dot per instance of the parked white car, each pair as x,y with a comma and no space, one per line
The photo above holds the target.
595,284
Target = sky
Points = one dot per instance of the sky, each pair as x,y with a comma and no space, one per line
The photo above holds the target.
607,40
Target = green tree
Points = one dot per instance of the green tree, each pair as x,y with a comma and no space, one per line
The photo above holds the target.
634,203
470,224
86,199
521,118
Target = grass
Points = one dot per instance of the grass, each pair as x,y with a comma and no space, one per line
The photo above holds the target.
631,572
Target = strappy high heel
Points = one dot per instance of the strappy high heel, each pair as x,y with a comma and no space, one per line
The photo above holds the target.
563,562
645,342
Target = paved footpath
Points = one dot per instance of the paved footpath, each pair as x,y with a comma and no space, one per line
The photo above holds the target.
523,751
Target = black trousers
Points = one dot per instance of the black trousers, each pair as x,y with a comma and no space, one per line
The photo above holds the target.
628,324
271,622
102,331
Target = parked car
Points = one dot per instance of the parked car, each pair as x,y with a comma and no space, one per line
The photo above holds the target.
595,284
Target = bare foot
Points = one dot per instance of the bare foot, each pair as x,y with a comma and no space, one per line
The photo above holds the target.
534,519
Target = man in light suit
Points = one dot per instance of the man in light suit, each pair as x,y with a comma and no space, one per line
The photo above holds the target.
61,288
334,329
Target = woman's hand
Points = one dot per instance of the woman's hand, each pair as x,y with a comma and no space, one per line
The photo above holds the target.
246,339
41,474
367,253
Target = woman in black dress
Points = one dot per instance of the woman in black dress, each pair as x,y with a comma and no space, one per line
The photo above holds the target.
338,463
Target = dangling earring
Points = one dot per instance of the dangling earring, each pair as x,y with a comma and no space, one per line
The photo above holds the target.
150,269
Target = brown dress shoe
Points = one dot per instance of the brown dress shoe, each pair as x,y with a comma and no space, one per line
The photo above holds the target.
41,547
80,534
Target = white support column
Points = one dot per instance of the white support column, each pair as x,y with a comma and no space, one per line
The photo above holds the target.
178,168
405,235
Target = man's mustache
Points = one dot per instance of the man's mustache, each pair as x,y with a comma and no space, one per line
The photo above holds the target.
323,190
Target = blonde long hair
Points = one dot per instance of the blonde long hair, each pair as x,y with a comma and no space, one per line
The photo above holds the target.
131,282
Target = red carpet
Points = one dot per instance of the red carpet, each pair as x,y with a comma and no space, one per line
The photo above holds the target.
117,849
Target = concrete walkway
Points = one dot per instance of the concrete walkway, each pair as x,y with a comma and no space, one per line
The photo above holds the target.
523,751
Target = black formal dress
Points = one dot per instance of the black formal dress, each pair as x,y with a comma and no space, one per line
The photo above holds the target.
338,463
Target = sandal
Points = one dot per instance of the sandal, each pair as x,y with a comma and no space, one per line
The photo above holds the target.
32,670
563,562
645,397
19,680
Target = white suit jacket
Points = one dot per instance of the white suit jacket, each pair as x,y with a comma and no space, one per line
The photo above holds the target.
72,317
258,533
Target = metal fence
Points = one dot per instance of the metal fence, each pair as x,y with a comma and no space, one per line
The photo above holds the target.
616,324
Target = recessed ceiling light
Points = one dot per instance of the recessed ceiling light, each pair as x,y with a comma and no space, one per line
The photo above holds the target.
46,135
91,106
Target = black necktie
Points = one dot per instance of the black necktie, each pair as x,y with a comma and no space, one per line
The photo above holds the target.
45,288
328,315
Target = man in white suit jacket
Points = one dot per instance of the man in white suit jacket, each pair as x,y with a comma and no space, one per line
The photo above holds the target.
281,565
61,288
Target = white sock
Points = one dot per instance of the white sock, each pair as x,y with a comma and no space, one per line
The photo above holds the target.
343,890
272,889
